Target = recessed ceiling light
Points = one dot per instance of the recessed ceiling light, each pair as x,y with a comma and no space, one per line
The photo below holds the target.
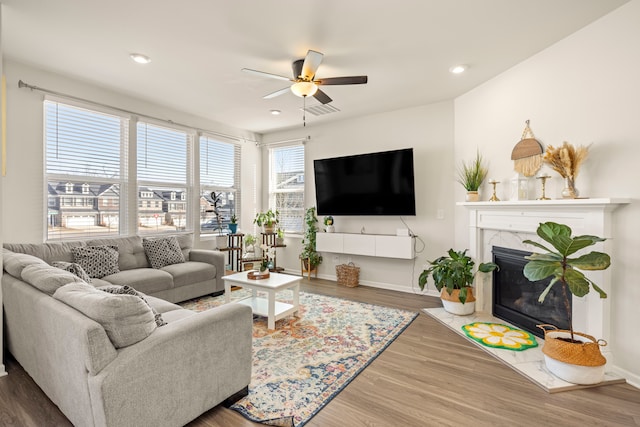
458,69
276,112
140,58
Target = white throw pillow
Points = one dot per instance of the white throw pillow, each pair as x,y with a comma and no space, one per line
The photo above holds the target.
125,318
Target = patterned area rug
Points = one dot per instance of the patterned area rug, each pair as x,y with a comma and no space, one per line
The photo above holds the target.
311,357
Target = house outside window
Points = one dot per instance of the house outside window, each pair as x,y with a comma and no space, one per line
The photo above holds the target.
286,185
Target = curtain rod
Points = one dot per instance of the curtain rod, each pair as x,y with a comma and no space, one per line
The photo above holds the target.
303,139
22,84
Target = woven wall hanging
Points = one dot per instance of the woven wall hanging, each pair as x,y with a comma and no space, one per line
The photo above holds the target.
527,154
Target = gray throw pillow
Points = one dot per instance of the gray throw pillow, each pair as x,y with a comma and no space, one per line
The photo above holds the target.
163,251
74,268
97,261
47,278
126,319
128,290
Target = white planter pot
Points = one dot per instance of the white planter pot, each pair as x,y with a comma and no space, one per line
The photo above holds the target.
459,308
221,242
575,374
572,372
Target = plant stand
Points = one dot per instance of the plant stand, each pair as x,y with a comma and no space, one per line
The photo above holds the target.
305,267
270,239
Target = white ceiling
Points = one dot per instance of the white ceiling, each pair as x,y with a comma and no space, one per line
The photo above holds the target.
198,48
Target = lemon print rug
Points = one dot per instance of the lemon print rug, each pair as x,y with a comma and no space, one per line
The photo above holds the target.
497,335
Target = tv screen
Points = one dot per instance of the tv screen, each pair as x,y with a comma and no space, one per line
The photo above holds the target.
366,184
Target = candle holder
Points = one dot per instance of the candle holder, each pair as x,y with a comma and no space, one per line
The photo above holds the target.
543,179
494,198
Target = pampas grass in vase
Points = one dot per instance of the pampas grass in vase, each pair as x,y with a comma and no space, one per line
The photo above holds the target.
566,160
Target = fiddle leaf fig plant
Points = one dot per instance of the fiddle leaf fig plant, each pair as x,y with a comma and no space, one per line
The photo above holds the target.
561,267
454,271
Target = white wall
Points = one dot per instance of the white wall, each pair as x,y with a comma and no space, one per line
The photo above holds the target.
23,203
429,131
584,90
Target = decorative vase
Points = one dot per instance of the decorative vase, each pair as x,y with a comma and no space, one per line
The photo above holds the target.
233,228
452,304
472,196
575,362
569,191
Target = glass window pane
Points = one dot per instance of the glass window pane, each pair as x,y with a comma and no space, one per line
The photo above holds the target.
157,213
79,215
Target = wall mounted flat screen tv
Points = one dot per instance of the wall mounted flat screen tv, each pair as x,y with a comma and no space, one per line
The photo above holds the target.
366,184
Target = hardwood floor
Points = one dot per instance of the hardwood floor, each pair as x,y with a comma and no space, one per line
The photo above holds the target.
429,376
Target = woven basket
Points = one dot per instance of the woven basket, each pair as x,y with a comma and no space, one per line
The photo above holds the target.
348,275
586,353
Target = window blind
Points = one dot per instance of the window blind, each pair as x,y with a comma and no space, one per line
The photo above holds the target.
286,185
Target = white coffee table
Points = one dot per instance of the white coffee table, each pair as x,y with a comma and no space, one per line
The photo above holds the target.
269,307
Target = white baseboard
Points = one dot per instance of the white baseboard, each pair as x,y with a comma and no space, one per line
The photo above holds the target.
632,379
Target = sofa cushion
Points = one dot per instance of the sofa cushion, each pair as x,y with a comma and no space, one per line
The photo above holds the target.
130,251
128,290
163,251
49,252
126,319
97,261
190,272
14,263
47,278
73,268
146,280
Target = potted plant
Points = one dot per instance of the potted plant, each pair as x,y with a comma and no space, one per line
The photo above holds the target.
233,223
280,237
453,276
268,220
471,175
309,258
221,240
328,224
572,356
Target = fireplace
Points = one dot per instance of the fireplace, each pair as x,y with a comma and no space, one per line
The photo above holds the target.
507,224
515,298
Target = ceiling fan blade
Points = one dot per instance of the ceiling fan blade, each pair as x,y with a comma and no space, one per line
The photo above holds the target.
351,80
311,63
263,74
277,93
322,97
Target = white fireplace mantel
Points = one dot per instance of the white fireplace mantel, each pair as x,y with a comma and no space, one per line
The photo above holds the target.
507,223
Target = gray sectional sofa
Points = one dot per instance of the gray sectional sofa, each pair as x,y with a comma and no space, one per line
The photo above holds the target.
173,365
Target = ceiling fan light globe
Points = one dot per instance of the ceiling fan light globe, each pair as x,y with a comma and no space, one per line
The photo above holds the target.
303,89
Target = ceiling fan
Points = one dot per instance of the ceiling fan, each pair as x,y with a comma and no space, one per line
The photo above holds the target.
304,81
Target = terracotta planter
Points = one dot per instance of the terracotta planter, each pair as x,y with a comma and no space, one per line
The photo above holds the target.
577,363
452,304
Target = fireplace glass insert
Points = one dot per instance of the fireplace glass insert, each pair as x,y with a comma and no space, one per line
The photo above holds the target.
515,298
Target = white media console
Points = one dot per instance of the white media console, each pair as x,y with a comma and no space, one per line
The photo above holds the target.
378,245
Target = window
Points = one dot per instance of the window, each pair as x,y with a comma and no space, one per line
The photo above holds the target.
286,185
83,152
164,156
89,154
219,173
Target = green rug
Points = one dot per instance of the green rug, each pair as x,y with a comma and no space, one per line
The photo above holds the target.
498,335
311,357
